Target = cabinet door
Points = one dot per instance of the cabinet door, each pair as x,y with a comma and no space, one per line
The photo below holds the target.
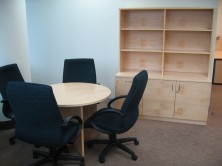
122,88
192,100
217,76
158,98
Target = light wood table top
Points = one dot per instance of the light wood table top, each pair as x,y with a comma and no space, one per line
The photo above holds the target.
79,94
218,55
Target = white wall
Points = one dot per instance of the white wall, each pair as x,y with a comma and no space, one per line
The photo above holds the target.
60,29
14,37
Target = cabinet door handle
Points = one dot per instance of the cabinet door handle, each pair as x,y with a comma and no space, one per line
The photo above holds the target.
178,90
172,86
128,81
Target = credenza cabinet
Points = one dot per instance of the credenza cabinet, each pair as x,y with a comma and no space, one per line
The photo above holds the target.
177,99
170,100
175,47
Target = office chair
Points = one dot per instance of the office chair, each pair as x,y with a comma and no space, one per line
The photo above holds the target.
39,122
112,121
8,73
79,70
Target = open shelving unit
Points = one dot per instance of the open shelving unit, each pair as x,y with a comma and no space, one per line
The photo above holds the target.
167,41
175,47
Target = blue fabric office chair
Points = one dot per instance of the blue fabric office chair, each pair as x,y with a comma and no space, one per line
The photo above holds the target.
79,70
39,122
112,121
8,73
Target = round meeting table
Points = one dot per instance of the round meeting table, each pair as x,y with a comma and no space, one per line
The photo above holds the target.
79,94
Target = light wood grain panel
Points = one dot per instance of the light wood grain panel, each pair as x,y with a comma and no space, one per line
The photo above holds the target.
189,19
142,61
192,100
188,63
219,44
158,99
143,40
79,94
218,72
188,41
122,85
194,77
175,120
218,55
148,19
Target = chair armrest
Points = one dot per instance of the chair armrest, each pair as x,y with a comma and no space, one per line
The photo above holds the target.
6,110
72,120
114,99
103,111
105,114
4,101
109,111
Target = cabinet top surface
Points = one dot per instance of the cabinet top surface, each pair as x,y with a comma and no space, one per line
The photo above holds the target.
194,77
218,55
166,8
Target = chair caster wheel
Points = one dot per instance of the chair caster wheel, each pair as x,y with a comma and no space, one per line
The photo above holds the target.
34,155
12,141
89,145
134,157
102,160
66,150
136,142
82,163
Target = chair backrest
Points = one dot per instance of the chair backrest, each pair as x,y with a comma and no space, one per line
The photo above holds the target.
8,73
38,120
79,70
130,106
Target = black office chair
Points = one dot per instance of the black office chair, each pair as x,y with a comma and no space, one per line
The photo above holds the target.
8,73
39,122
113,121
79,70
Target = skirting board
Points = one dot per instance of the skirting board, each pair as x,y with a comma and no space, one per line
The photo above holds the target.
174,120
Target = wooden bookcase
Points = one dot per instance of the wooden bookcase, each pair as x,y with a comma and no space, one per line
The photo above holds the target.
174,46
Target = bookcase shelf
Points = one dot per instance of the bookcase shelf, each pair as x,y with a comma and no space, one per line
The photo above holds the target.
143,19
189,19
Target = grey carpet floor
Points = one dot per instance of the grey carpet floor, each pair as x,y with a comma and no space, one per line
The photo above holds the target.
161,144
